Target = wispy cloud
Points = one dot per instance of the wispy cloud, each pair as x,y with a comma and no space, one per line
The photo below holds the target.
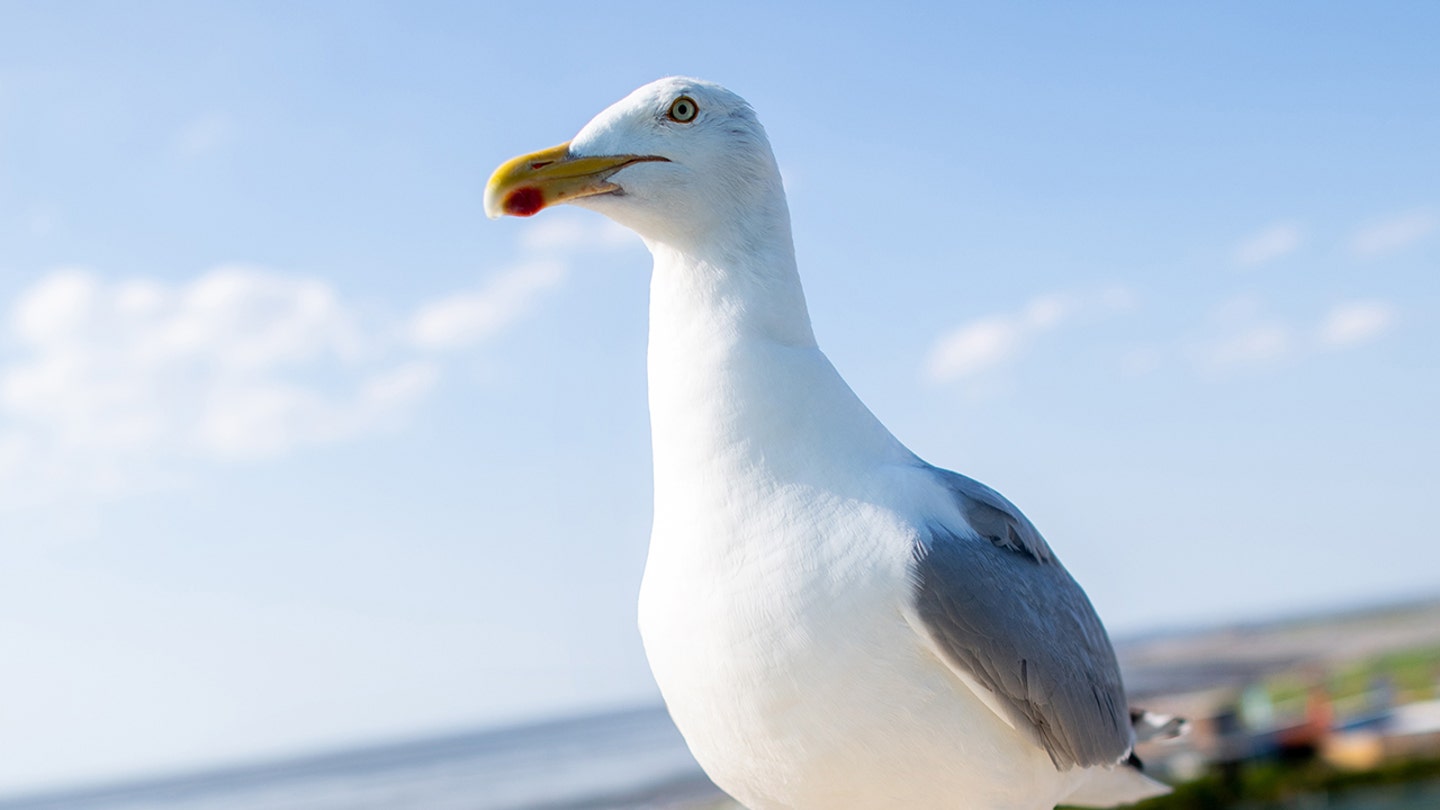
1251,345
1355,322
1269,244
996,340
112,380
1394,233
113,385
1245,336
468,317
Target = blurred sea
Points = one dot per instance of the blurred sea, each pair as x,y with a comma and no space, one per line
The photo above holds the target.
631,759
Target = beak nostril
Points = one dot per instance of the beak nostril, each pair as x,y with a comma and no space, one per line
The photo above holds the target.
540,164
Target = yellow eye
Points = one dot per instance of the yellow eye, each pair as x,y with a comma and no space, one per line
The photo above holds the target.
683,110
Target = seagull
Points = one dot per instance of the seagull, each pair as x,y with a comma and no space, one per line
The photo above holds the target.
832,622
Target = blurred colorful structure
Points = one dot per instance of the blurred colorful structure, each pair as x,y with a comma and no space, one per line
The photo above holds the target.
1354,691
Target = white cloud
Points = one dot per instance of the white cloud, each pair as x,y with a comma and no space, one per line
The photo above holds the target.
1242,335
465,318
1251,345
974,347
115,385
1393,233
1246,337
1355,322
1269,244
109,386
992,341
111,380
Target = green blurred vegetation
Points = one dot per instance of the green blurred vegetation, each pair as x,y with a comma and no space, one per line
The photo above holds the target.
1265,785
1413,673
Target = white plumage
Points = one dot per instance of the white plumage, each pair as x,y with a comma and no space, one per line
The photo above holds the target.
833,623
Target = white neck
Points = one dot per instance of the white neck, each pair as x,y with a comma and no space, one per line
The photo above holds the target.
739,391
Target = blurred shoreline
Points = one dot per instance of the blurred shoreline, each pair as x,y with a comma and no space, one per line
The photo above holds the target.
1264,674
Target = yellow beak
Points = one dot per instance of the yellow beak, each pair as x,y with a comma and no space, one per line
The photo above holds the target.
524,185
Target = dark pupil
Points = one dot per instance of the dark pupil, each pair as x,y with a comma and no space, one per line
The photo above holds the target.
682,109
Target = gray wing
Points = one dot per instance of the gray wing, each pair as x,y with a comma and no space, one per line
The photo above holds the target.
1001,607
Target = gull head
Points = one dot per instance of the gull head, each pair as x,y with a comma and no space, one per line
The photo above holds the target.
677,161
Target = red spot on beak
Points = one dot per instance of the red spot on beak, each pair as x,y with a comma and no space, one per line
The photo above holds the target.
524,202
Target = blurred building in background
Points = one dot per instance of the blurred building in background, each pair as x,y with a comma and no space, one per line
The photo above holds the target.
1354,691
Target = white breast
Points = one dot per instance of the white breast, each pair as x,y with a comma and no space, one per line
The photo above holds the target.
783,651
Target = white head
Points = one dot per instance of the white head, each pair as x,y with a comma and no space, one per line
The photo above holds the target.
682,162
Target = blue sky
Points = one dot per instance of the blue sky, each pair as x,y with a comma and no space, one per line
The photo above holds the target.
298,450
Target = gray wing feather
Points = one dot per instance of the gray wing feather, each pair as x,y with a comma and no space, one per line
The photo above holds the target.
994,517
1003,608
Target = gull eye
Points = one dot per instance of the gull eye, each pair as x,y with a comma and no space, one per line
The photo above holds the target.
683,110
